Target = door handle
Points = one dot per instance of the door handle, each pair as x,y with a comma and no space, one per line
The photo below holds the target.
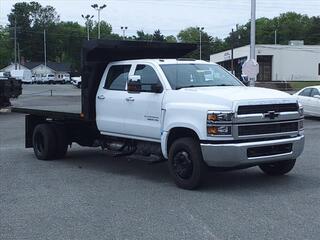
130,99
101,97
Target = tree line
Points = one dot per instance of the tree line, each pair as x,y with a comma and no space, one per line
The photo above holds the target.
64,39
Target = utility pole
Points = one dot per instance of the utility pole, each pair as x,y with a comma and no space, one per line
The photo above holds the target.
19,61
200,33
45,48
232,50
275,37
253,30
251,67
124,32
15,43
87,18
96,7
253,38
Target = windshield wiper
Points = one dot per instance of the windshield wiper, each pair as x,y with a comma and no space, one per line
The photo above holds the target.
191,86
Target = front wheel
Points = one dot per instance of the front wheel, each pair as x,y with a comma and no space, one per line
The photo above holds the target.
186,164
278,168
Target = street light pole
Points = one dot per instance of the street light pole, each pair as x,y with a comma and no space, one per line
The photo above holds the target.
253,30
275,37
19,62
232,50
96,7
124,32
87,18
45,48
200,33
15,43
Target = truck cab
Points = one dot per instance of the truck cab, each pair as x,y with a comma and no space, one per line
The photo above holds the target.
230,125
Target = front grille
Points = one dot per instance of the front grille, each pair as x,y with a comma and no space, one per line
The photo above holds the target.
269,150
253,109
249,130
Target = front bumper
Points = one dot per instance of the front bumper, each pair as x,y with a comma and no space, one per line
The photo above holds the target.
236,154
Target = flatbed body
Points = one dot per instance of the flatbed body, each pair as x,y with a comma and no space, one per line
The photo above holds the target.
54,112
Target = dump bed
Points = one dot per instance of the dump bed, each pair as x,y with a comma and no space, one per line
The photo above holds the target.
96,55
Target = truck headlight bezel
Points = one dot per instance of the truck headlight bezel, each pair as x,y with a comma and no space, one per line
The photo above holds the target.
301,110
219,123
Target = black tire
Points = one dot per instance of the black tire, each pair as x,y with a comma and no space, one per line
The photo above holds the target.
278,168
44,141
62,141
186,164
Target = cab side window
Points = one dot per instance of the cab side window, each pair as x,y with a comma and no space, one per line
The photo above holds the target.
306,92
148,77
117,77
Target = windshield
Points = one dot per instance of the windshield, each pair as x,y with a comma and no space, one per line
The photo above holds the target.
198,75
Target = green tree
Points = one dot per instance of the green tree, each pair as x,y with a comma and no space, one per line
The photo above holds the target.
105,30
209,44
31,19
142,36
5,50
313,32
157,36
171,39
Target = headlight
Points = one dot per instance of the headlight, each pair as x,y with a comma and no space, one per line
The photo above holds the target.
219,123
219,130
301,112
219,117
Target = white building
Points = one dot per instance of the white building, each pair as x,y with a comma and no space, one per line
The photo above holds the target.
38,69
277,62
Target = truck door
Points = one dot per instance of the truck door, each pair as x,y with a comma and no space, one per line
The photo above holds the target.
111,105
143,118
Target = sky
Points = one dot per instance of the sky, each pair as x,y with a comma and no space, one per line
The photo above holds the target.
217,17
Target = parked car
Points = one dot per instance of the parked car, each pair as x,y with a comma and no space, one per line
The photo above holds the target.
62,78
309,97
4,75
48,78
76,81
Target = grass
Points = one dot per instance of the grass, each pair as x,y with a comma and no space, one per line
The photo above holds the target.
300,85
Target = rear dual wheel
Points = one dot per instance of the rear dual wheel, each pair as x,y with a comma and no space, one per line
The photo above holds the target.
50,141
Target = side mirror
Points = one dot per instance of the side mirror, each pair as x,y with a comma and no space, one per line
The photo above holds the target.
134,84
317,96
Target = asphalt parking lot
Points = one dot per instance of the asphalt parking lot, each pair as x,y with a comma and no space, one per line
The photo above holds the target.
90,195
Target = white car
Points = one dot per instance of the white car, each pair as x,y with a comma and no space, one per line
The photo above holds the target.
309,97
76,81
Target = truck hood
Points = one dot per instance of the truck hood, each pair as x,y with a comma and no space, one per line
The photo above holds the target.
230,96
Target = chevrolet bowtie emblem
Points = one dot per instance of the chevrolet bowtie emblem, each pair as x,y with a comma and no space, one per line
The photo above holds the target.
271,115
